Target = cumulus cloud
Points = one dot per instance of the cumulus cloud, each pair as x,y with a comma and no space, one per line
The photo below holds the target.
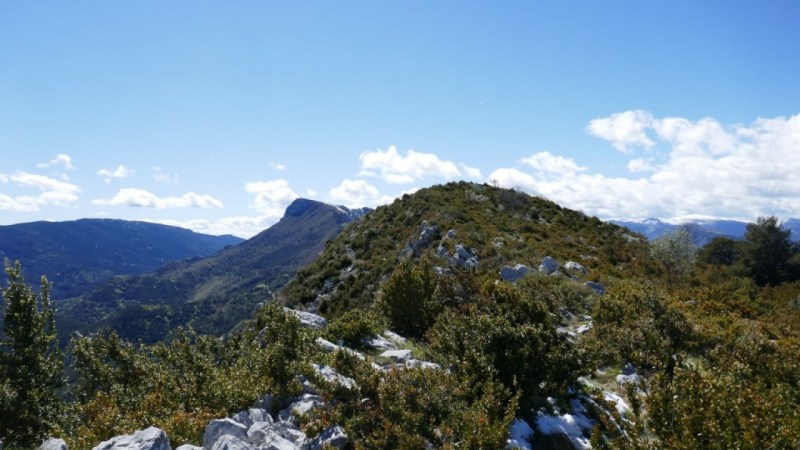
242,226
120,172
146,199
271,197
51,192
397,169
473,173
278,166
640,165
545,162
60,159
357,193
624,130
709,169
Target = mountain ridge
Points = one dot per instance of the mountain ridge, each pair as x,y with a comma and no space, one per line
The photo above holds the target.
214,293
79,255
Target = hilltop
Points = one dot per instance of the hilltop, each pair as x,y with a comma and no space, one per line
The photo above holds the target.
496,226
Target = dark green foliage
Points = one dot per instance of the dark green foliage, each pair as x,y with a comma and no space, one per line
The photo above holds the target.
182,385
634,323
30,363
408,300
417,407
507,336
721,251
769,252
353,327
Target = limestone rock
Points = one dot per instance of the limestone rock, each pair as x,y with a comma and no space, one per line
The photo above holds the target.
333,437
572,266
250,416
223,427
399,355
308,319
548,265
514,274
148,439
53,444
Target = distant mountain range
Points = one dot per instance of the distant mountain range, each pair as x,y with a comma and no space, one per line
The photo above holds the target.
701,230
78,256
214,293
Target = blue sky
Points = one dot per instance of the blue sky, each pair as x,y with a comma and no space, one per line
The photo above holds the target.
215,115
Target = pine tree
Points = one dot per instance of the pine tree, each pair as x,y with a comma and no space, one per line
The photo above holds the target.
769,251
30,363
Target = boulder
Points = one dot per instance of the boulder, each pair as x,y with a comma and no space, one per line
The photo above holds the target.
471,263
253,415
548,265
148,439
277,436
379,343
333,437
302,406
399,355
331,376
228,442
223,427
514,274
597,287
308,319
463,252
189,447
451,233
53,444
572,266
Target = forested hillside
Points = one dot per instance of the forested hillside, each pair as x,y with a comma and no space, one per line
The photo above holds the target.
215,293
78,256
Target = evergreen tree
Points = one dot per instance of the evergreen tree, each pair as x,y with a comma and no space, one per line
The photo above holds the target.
769,251
30,363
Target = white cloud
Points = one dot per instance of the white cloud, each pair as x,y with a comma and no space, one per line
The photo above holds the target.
271,197
473,173
162,176
357,193
60,159
52,192
396,169
146,199
311,192
278,166
120,172
710,169
624,130
241,226
640,165
546,163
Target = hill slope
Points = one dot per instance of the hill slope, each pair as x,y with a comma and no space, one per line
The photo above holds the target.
215,293
79,255
498,226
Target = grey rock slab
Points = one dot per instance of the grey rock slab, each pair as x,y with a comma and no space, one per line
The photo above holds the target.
151,438
223,427
308,319
53,444
333,437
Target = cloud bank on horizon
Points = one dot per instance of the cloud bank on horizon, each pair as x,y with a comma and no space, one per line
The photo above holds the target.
676,167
